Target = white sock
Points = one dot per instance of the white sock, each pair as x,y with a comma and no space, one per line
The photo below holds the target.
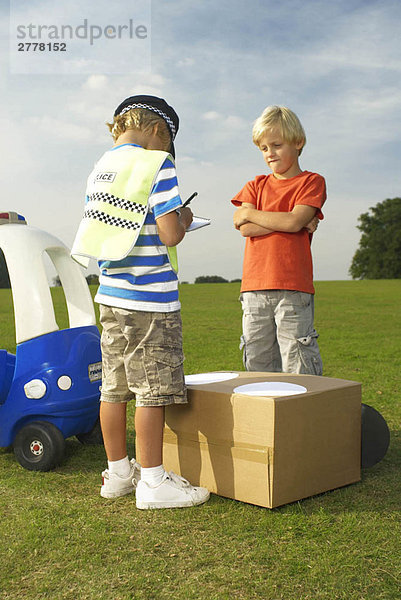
120,467
152,475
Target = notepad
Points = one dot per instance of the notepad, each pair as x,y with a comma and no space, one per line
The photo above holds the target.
198,222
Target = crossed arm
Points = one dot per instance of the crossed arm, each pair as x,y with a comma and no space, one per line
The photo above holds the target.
254,223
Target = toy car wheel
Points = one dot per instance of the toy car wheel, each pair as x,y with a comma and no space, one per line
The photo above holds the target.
39,446
93,437
375,437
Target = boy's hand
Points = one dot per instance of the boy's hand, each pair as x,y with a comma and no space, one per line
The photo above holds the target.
240,217
172,226
186,216
312,225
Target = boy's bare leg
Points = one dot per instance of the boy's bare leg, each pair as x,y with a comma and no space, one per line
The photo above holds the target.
149,424
113,420
159,489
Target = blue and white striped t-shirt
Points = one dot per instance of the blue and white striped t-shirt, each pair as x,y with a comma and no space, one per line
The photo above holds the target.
145,280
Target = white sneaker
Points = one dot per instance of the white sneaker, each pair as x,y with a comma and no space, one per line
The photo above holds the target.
173,492
114,486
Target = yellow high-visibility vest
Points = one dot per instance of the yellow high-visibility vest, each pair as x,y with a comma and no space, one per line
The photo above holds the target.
118,191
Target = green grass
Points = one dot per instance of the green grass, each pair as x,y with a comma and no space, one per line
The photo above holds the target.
60,540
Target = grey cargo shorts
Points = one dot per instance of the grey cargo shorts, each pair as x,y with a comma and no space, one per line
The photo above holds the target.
142,357
278,332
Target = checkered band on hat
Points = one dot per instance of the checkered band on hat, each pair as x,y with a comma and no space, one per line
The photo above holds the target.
109,220
156,110
119,202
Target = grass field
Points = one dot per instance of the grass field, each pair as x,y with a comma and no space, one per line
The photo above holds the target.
60,540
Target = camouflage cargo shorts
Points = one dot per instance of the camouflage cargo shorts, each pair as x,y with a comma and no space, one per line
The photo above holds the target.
142,357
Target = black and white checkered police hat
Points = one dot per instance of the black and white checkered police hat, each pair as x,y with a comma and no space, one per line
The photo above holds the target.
158,106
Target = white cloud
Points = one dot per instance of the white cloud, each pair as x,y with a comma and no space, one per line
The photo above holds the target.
186,159
96,82
235,122
186,62
52,128
211,115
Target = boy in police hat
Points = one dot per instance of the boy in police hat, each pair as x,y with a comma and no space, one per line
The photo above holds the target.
133,220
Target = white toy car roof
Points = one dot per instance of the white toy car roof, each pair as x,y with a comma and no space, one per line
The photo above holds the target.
24,249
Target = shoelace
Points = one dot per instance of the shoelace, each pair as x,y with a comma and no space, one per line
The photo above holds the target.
178,479
135,472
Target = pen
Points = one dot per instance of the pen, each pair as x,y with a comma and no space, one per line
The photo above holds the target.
190,198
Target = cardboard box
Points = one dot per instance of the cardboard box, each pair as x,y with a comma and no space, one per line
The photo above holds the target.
267,450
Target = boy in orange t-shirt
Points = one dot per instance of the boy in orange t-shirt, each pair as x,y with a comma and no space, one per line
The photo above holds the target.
277,214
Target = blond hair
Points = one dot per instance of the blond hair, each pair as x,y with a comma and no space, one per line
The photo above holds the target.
142,120
287,122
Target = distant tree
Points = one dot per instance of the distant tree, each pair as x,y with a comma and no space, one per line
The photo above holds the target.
379,252
4,278
210,279
236,280
56,281
92,279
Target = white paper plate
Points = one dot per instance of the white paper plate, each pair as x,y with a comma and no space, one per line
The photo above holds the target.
270,388
202,378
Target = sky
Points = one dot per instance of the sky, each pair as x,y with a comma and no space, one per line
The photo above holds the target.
337,65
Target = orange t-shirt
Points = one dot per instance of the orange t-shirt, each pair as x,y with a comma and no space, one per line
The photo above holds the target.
280,261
